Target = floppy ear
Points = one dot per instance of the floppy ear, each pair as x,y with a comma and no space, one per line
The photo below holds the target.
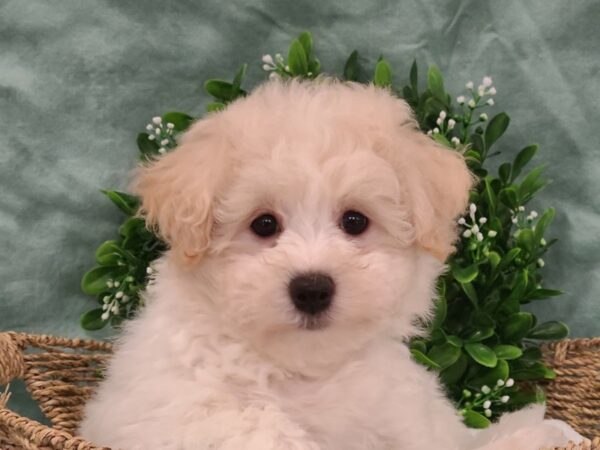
438,181
178,191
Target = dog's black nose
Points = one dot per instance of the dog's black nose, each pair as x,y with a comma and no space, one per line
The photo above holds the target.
312,292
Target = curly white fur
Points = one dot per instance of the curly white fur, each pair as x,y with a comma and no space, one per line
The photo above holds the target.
220,358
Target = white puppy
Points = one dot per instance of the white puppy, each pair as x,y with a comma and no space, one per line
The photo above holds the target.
307,225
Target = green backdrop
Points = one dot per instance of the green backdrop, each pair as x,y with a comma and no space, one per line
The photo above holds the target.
79,79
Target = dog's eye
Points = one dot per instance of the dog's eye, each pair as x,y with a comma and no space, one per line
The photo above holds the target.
265,225
354,223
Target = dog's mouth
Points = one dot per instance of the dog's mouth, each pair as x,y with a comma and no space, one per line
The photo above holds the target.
314,322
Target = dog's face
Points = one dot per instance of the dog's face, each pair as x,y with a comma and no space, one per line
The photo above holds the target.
317,212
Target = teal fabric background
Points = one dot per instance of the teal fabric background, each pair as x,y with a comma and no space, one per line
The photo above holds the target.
79,80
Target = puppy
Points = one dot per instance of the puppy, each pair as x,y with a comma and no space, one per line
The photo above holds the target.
307,224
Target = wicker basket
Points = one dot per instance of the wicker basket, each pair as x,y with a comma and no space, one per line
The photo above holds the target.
61,375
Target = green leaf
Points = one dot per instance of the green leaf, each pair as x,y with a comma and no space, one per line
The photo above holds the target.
92,320
532,183
509,257
470,292
507,351
517,326
424,360
108,253
509,196
435,83
237,81
145,145
542,224
219,89
532,354
444,355
465,274
475,420
482,354
536,371
504,172
451,374
490,376
441,308
418,344
215,106
314,66
414,77
496,128
297,58
125,202
306,40
522,158
490,195
383,74
94,281
131,226
494,259
549,331
480,334
525,239
181,121
351,67
542,293
455,341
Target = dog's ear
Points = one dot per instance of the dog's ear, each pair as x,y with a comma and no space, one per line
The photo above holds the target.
178,191
438,181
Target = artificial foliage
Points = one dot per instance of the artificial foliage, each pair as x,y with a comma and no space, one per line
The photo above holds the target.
482,342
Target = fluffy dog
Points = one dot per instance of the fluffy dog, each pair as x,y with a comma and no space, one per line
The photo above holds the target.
307,225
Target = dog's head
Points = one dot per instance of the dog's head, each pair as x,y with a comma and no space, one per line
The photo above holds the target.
317,210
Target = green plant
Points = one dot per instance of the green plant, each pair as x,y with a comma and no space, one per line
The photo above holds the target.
485,347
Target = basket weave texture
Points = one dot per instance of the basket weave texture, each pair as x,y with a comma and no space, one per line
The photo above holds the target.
61,375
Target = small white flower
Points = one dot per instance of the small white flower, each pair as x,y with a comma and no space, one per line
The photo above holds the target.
500,382
460,99
110,283
151,137
162,150
521,208
157,120
487,81
451,124
279,58
436,130
533,214
462,221
475,229
485,389
125,299
287,68
119,294
492,233
442,115
274,76
481,90
543,242
455,140
439,121
472,208
483,117
115,309
149,270
164,142
540,262
471,104
268,67
105,315
504,398
482,220
117,284
514,220
490,101
157,131
106,299
149,127
510,382
469,85
268,59
492,91
429,133
479,237
467,233
487,404
488,413
170,125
